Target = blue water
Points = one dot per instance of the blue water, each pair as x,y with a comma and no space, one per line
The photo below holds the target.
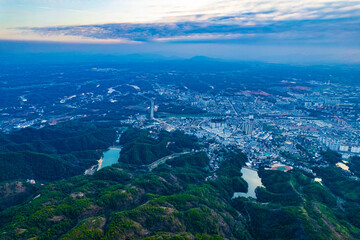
253,180
110,157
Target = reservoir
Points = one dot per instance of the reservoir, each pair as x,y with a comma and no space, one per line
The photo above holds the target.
110,157
252,178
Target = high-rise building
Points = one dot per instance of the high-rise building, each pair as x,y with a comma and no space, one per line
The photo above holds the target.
355,149
152,109
248,125
344,148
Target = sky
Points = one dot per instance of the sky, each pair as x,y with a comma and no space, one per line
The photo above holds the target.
265,30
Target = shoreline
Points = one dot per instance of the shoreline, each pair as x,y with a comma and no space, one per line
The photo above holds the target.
100,161
98,166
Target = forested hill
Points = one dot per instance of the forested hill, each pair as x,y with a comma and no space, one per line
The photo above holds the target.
173,201
53,152
140,148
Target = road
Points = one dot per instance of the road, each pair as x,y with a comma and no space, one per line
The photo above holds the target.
155,164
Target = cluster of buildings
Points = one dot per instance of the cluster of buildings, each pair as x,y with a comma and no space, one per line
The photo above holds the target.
340,146
287,123
275,131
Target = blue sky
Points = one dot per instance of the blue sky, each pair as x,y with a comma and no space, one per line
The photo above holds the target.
269,30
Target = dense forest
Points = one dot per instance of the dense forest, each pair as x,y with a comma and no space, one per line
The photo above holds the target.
140,148
173,201
53,152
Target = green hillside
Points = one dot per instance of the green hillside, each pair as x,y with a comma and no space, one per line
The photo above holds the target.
173,201
53,152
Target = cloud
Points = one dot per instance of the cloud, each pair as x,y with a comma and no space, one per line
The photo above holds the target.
305,21
345,31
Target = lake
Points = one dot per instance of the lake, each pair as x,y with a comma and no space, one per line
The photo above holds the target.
110,157
252,178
